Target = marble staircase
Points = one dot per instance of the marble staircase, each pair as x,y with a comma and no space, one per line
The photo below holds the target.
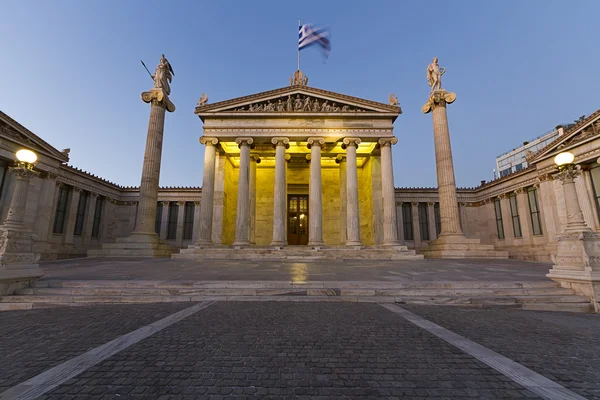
537,295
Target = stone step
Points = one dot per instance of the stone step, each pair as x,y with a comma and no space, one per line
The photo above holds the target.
374,285
124,291
499,300
565,307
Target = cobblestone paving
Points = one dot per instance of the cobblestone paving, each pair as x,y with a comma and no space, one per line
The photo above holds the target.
290,351
36,340
563,347
364,270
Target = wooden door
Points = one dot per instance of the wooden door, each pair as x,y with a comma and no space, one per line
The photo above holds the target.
297,219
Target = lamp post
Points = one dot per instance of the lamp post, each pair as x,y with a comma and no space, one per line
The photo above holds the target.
577,258
15,238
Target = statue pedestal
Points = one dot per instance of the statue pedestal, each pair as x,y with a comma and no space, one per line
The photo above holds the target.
577,264
458,246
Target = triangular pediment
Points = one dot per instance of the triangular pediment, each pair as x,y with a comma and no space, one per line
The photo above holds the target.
12,131
582,131
297,99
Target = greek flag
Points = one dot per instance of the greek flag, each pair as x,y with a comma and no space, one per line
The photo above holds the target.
310,35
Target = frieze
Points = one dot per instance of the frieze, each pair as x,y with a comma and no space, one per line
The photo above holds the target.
299,103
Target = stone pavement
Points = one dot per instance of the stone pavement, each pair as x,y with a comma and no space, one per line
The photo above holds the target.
298,351
222,270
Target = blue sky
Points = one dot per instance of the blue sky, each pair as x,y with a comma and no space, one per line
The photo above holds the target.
72,72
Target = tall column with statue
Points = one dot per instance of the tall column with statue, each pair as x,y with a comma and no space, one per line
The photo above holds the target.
147,241
451,243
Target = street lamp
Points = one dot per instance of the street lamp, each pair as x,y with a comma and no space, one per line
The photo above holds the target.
564,160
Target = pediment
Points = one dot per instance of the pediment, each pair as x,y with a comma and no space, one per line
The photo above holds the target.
580,132
297,99
12,131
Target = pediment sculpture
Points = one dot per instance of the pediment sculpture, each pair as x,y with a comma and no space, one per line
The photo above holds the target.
298,103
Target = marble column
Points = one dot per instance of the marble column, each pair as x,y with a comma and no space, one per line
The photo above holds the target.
431,220
16,240
400,218
73,204
45,210
242,221
575,220
341,160
315,197
390,224
180,223
88,222
279,196
449,216
208,191
254,160
196,221
352,220
416,223
164,220
146,214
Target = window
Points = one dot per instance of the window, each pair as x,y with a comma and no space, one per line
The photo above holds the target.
499,226
61,210
423,225
3,170
505,172
188,220
97,216
407,221
83,197
519,167
157,221
534,210
438,219
514,213
172,226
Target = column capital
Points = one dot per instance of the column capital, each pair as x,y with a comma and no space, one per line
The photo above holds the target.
567,174
23,173
157,97
340,158
244,141
288,157
519,190
181,203
315,141
350,141
196,203
414,203
208,141
165,203
308,157
387,141
502,196
280,141
76,189
255,158
438,98
431,203
94,195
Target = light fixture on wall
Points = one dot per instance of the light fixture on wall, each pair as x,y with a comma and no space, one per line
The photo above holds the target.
564,160
27,158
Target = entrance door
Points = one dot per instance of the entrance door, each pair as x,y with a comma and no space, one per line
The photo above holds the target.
297,219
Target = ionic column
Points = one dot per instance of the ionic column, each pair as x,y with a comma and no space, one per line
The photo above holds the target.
341,160
242,227
208,191
180,223
279,200
352,221
146,214
449,217
88,221
390,225
315,200
17,240
164,220
254,160
431,220
414,209
575,220
73,204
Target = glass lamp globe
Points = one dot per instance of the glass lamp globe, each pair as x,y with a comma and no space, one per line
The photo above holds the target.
564,158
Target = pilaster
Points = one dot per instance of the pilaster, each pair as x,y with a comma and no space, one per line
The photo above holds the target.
164,220
431,220
73,203
180,222
88,221
414,209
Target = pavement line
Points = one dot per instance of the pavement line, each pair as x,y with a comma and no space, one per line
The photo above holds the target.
536,383
48,380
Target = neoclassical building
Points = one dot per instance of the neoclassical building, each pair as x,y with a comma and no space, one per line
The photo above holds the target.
319,175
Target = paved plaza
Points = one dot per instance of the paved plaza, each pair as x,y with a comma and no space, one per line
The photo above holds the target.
296,350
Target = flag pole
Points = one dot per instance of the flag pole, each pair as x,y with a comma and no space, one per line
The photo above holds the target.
299,25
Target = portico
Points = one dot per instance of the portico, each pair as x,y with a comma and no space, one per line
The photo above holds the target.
302,166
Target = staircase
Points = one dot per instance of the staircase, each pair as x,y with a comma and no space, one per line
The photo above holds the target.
542,295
